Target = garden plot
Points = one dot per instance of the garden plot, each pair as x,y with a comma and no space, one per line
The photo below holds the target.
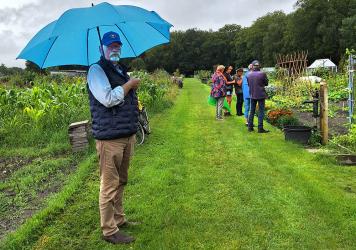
26,183
338,118
290,103
9,165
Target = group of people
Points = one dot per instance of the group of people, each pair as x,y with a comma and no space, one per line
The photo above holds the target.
249,90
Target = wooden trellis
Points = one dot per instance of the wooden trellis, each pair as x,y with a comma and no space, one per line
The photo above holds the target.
292,66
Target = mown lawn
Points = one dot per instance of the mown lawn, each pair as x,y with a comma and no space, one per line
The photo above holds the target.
202,184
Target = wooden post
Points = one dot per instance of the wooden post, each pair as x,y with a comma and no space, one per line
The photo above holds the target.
324,125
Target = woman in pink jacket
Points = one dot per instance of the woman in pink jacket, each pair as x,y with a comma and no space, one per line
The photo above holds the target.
218,90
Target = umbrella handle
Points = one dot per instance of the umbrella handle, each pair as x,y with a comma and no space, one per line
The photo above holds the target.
97,29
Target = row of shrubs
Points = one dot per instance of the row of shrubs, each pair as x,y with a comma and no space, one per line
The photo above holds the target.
203,75
39,111
157,90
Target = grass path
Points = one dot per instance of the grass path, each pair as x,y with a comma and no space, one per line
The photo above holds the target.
202,184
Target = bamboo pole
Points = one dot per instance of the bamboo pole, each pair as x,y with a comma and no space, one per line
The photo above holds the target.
324,107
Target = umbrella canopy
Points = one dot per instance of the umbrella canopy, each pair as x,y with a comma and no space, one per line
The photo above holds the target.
74,38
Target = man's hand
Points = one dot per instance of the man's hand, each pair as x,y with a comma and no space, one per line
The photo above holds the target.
133,83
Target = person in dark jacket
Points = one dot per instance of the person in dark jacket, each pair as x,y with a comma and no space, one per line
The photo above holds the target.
238,91
229,87
257,81
114,111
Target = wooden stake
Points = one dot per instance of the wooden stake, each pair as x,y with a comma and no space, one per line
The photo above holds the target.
324,107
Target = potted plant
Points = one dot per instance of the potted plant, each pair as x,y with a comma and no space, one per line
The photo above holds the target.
293,131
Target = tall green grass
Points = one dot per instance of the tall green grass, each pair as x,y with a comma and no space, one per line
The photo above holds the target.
40,113
156,91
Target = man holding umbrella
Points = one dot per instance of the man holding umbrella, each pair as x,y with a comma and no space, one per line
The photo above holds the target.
113,107
73,39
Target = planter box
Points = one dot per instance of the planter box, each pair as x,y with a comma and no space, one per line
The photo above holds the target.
299,134
78,135
346,159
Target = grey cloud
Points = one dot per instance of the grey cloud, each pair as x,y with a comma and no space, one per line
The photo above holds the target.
9,47
23,22
215,14
8,41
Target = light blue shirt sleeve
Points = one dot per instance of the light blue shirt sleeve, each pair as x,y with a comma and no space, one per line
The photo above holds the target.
100,87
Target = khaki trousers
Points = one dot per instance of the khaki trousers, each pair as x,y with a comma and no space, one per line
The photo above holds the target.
114,159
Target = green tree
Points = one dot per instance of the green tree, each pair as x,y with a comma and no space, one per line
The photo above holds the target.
32,67
137,64
324,28
348,32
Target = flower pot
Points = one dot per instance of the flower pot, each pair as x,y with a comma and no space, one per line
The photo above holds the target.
300,134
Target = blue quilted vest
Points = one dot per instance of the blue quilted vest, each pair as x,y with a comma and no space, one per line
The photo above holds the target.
118,121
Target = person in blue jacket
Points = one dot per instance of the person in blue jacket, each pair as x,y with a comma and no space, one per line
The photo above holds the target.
246,93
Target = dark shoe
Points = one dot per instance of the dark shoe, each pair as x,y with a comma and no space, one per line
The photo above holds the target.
227,114
119,238
263,131
250,129
129,224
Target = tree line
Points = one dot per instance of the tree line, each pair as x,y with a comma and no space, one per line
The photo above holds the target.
324,28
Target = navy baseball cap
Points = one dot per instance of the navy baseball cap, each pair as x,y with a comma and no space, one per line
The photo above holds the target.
111,37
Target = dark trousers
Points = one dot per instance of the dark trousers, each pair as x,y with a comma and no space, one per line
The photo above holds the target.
261,112
239,103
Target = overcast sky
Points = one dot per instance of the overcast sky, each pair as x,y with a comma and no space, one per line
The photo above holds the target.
21,19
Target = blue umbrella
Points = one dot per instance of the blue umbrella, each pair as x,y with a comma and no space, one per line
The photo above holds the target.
73,39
